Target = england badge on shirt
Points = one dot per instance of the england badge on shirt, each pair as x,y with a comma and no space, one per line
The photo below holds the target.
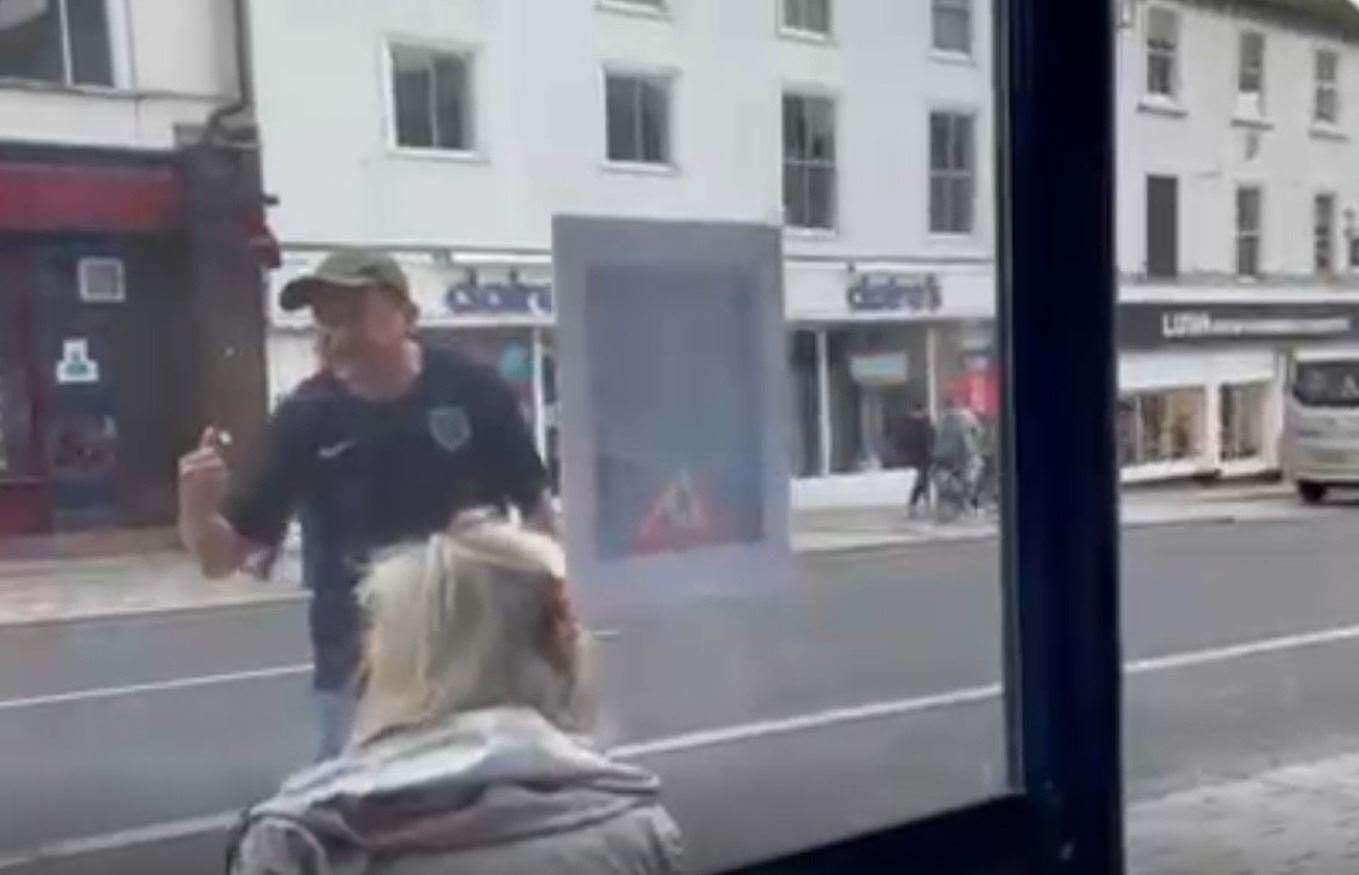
450,427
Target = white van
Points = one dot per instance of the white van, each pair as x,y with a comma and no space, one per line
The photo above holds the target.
1321,422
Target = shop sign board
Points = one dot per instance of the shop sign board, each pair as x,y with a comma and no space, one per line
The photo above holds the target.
469,297
879,369
1156,325
894,293
670,352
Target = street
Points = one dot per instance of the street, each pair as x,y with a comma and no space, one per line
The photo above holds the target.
864,693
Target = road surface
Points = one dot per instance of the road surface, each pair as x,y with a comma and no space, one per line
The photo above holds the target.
864,693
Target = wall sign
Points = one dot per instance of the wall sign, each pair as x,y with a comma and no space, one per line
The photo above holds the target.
469,298
879,369
909,293
1148,326
75,365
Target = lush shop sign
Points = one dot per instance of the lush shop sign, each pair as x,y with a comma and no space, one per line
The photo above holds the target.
1145,326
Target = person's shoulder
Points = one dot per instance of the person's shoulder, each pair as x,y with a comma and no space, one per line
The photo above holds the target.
450,371
306,399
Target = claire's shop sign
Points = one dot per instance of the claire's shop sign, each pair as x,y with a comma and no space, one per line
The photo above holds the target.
913,293
1146,326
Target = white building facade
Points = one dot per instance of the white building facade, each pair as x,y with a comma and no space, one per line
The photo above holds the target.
1237,238
449,133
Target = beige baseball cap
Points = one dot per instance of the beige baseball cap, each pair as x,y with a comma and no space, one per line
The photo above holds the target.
353,269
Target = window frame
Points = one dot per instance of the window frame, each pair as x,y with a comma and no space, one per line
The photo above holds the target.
1258,70
811,93
805,33
1244,235
1328,241
668,77
640,8
953,113
1320,86
1175,82
967,7
1148,220
112,18
470,55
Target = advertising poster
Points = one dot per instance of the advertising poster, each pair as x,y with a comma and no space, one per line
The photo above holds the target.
671,356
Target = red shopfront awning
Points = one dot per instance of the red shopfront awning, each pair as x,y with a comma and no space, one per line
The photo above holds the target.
60,197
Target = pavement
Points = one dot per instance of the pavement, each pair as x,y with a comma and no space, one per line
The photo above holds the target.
1285,821
160,580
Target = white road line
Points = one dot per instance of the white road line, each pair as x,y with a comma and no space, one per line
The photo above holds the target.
1236,651
155,687
125,838
874,711
168,830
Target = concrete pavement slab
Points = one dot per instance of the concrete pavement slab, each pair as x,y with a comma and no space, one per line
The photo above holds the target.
1296,819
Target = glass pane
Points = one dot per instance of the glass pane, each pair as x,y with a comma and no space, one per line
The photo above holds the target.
941,204
962,205
91,62
818,15
820,197
794,126
1234,423
795,206
451,101
1252,63
1161,74
347,330
952,28
412,90
820,128
805,387
31,42
960,153
655,121
621,116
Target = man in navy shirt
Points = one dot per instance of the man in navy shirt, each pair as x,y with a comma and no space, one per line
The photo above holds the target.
386,443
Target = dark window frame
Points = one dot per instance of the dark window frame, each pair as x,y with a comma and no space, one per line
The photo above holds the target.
1250,230
660,84
84,59
1323,232
796,16
954,178
1326,92
960,8
1165,51
1163,264
802,163
438,140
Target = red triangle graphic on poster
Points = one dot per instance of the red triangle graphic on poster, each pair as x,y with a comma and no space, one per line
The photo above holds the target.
679,518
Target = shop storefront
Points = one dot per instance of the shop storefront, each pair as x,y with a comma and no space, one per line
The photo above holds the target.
1201,385
869,344
92,278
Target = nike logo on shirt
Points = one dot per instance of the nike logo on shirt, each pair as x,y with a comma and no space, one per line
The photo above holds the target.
331,451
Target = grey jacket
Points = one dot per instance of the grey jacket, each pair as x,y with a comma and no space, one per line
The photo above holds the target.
493,791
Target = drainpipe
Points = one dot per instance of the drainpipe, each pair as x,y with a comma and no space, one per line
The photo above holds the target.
213,132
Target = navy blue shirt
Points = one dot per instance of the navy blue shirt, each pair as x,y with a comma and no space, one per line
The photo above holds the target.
362,475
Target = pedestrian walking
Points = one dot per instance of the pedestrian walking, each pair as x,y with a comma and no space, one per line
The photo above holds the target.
914,447
468,754
385,443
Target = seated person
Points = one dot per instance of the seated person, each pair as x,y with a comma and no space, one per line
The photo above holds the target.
465,755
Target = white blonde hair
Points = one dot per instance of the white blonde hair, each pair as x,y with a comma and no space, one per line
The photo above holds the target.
467,620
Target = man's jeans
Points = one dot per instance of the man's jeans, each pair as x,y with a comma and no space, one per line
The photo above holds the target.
334,718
